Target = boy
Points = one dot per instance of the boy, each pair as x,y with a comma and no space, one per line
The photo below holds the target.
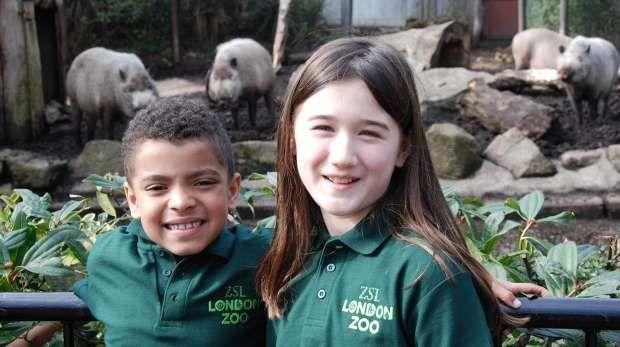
176,275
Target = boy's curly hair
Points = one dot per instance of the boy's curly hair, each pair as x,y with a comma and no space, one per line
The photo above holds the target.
176,119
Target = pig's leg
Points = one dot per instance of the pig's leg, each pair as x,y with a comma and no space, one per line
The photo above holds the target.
76,116
593,103
252,108
576,105
91,122
605,99
269,103
234,112
106,123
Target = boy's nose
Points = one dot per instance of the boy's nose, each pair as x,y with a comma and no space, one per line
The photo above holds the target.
342,151
181,200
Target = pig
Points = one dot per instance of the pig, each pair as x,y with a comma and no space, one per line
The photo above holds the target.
537,48
589,67
103,84
241,70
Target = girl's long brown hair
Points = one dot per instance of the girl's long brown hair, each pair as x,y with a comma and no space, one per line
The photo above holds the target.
412,202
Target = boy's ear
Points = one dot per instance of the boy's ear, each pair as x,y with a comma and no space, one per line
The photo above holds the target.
233,190
403,153
132,200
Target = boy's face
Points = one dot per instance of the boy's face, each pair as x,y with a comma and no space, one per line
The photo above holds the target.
181,193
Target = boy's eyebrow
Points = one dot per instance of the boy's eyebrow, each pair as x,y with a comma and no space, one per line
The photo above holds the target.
197,173
366,121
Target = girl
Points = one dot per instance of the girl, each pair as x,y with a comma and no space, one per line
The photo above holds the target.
366,249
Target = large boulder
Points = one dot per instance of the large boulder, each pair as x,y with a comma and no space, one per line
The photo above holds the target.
98,157
499,111
455,153
255,156
32,170
528,81
440,89
520,155
441,45
613,154
576,159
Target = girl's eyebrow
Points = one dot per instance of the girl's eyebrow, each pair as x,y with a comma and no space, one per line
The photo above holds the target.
366,121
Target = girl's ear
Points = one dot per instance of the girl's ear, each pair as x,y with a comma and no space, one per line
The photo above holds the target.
132,200
403,152
233,190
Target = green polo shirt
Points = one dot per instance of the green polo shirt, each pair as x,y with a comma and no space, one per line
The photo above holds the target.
358,290
145,297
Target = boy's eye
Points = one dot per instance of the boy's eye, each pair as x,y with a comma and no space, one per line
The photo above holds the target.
155,187
206,182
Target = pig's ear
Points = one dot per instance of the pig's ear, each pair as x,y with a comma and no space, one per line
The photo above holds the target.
588,50
561,48
122,75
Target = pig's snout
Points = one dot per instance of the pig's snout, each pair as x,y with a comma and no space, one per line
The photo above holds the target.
565,74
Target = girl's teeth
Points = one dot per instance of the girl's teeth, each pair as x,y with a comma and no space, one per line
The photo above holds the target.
341,180
185,226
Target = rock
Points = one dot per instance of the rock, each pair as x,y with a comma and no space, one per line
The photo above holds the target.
454,152
98,157
520,155
6,189
441,45
499,111
440,89
576,159
528,81
255,156
613,154
31,170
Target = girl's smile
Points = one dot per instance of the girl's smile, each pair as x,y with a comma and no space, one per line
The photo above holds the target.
346,147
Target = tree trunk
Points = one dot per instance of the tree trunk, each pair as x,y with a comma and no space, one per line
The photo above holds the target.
280,38
21,72
61,39
175,32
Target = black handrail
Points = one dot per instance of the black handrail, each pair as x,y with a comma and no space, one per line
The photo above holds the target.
590,315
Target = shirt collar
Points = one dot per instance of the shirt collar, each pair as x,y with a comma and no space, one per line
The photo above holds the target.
367,235
222,246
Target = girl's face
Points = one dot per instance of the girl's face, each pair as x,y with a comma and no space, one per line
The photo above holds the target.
347,147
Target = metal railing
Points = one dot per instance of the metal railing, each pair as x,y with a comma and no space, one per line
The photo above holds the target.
589,315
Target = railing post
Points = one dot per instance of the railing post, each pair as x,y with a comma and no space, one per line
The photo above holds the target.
67,334
591,339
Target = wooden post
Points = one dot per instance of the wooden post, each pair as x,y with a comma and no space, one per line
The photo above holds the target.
522,15
563,17
62,49
176,51
346,16
33,59
280,38
21,72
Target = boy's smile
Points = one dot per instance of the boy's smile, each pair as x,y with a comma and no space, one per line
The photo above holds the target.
181,193
346,147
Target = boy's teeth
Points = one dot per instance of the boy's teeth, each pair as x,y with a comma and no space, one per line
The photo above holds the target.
341,180
184,226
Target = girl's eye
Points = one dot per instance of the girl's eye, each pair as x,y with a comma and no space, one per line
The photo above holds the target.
370,133
322,128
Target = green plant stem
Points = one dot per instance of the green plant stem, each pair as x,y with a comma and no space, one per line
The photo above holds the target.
521,242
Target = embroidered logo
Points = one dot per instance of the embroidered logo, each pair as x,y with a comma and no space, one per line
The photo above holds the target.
366,311
235,306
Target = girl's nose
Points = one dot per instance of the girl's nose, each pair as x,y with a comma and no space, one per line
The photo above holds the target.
181,200
342,151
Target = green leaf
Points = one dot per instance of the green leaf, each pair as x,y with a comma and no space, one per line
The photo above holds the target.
560,218
541,245
492,222
513,205
266,223
490,244
51,241
15,238
78,249
34,205
605,276
584,252
255,176
496,270
106,204
554,283
18,218
48,267
110,182
272,178
495,207
66,212
531,204
601,290
565,254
